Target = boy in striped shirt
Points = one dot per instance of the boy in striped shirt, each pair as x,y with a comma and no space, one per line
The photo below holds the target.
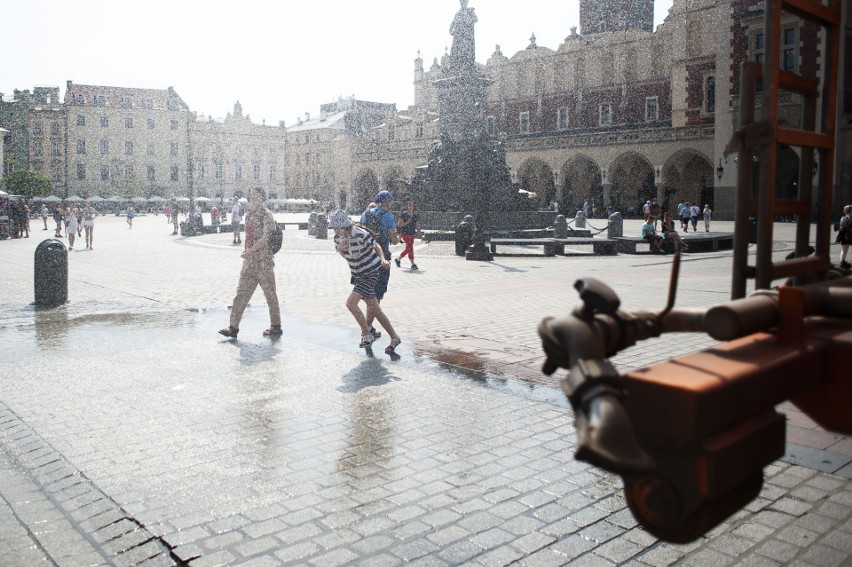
365,257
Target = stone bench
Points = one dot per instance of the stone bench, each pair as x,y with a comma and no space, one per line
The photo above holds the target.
600,246
696,242
549,244
298,225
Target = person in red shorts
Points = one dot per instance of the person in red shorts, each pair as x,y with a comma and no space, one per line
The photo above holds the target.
409,227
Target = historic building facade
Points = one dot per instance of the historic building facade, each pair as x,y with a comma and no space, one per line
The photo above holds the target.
118,136
619,114
616,114
227,158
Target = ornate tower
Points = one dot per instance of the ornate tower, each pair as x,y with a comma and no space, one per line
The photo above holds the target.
598,16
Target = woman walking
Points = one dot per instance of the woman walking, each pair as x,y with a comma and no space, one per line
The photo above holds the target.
365,258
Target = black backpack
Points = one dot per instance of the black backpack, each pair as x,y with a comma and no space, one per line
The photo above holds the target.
373,225
275,239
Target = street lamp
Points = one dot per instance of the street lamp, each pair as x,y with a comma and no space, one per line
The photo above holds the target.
720,170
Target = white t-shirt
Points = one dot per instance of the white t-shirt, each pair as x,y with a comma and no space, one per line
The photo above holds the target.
235,213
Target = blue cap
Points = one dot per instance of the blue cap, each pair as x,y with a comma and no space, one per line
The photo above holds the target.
383,196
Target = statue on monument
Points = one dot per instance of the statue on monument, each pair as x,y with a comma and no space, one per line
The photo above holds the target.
463,51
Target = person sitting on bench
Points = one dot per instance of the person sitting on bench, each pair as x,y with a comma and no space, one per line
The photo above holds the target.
649,234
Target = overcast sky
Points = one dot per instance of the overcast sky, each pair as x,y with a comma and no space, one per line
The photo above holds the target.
280,59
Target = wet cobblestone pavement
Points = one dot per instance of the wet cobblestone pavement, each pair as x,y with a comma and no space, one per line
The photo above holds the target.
131,433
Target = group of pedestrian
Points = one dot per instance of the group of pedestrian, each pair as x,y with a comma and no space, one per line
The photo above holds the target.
365,247
689,213
75,221
14,219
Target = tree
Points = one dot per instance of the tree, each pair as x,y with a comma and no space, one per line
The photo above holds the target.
30,184
128,185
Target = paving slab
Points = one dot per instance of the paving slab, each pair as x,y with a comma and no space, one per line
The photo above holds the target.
132,433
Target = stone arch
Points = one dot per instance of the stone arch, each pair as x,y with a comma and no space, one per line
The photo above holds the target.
688,176
535,176
579,181
632,182
365,187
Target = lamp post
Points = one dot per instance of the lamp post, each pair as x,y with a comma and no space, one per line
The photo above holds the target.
720,171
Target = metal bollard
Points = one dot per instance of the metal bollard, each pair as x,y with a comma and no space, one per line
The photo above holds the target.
560,227
51,274
580,220
616,225
321,228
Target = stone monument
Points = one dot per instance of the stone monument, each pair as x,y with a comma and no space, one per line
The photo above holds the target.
467,170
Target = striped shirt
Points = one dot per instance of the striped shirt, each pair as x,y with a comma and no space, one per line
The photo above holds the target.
361,255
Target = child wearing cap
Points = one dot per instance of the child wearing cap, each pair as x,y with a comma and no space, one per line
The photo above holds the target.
365,258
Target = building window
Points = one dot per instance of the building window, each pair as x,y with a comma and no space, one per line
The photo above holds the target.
104,121
126,102
148,103
272,173
789,46
128,169
255,151
81,171
710,94
255,172
201,171
651,112
57,173
605,115
104,173
57,148
758,46
174,124
104,147
307,158
391,134
173,149
217,171
239,150
128,148
418,132
54,128
150,124
128,122
152,176
238,172
524,122
78,99
81,146
151,148
100,100
81,120
174,173
37,129
37,148
562,119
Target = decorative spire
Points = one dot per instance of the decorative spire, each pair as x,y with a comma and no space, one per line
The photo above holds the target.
497,50
532,44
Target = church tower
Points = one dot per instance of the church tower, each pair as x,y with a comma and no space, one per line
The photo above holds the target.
598,16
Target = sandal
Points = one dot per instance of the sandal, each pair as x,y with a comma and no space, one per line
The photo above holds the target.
391,348
273,331
366,341
229,332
